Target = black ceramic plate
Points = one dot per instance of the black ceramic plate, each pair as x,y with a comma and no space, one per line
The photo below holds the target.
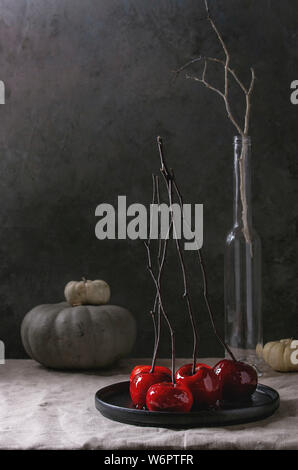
114,402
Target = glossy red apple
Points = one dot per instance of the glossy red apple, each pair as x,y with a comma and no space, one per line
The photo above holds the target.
139,369
186,370
169,397
238,380
141,383
203,384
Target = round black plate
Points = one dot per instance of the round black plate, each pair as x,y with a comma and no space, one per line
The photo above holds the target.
114,402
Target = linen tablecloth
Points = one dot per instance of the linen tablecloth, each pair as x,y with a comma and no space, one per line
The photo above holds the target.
46,409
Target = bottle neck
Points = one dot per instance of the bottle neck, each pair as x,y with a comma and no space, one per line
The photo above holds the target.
242,180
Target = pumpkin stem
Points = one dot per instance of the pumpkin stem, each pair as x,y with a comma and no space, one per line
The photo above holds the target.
84,279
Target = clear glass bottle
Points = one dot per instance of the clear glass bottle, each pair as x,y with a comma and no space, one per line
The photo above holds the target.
242,271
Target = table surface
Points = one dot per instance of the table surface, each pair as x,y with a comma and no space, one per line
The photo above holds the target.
46,409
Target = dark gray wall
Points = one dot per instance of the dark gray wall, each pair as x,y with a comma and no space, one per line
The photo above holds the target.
88,87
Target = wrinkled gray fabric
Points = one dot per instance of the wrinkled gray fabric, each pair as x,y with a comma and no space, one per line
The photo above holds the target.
46,409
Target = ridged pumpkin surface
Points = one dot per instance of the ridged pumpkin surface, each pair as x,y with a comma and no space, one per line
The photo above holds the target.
83,337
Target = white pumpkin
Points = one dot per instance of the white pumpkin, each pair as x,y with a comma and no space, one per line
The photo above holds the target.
87,292
281,355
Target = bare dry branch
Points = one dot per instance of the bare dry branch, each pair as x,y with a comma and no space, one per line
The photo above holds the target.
161,257
206,84
160,302
227,70
242,131
247,97
170,182
231,71
188,64
205,283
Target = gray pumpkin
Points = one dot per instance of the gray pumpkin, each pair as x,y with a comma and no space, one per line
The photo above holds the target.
84,337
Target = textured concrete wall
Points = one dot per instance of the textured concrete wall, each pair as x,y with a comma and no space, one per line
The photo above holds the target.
88,87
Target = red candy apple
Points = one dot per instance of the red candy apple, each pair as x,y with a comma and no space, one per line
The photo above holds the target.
203,384
142,382
169,397
142,368
186,370
238,380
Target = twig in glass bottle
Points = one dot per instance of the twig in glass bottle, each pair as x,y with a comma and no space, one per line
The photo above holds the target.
242,129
